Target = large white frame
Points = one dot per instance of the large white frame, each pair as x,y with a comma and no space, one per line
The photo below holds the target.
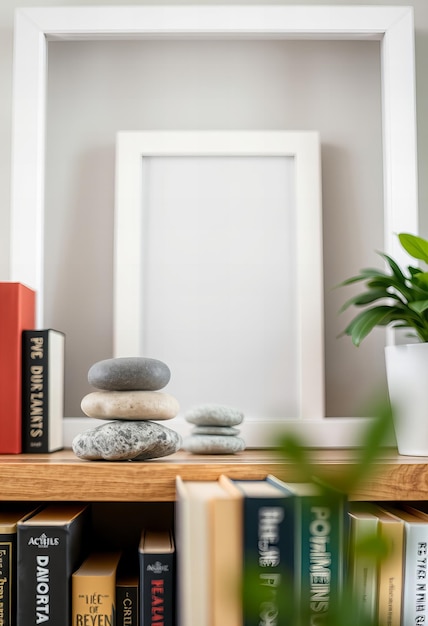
304,149
34,27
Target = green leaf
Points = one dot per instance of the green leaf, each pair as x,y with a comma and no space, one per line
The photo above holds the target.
419,306
415,246
394,267
293,449
364,323
367,298
414,270
420,279
364,274
389,282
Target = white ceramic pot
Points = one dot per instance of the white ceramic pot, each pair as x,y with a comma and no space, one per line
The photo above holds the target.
407,375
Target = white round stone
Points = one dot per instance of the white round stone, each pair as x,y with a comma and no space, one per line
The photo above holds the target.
214,415
213,444
215,430
130,405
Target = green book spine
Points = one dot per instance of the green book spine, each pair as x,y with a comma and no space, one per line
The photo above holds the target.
320,537
323,538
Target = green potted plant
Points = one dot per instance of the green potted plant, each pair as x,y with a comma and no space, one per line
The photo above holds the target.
398,298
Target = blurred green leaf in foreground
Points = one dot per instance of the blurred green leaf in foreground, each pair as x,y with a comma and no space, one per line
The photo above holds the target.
343,611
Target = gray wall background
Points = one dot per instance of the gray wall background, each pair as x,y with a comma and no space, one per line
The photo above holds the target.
98,88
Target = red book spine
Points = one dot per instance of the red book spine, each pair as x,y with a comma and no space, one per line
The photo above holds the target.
17,313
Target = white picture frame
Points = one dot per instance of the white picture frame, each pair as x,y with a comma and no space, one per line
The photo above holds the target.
131,216
34,27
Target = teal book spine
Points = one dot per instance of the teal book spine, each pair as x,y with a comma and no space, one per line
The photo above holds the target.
320,547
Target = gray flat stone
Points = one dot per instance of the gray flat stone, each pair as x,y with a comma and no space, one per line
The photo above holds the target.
130,405
129,374
227,431
214,415
121,441
213,444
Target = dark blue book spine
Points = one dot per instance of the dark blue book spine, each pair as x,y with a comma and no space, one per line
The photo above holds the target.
268,561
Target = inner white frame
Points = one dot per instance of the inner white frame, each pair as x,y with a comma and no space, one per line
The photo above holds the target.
34,27
129,276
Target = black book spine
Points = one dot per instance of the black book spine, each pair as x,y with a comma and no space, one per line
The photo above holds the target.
35,403
157,589
127,613
47,557
7,579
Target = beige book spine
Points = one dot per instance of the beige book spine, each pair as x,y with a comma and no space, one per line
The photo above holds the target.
391,574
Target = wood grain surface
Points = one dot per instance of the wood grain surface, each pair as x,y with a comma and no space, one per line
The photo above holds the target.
61,476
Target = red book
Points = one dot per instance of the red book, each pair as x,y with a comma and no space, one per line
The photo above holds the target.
17,313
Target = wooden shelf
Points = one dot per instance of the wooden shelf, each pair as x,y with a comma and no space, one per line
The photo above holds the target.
61,476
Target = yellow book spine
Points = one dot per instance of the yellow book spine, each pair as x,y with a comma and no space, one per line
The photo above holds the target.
94,595
94,604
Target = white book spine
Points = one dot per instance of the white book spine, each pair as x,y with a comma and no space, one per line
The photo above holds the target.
415,599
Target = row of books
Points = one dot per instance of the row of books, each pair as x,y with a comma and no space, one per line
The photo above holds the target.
241,553
50,574
31,376
301,553
388,563
283,545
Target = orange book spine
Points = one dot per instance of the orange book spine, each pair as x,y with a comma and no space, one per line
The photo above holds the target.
17,313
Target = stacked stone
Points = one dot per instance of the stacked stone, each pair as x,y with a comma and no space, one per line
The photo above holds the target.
128,395
214,430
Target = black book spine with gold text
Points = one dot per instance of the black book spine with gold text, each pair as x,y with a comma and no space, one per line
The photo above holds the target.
9,519
7,576
42,390
50,548
127,590
127,605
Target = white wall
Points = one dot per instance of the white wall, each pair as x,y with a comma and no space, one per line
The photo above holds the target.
96,89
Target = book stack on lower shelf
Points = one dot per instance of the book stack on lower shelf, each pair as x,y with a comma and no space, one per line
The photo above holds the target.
237,553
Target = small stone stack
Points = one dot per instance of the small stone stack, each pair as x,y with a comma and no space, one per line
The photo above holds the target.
129,396
214,430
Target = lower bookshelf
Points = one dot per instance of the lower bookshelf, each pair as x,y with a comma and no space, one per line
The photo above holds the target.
60,476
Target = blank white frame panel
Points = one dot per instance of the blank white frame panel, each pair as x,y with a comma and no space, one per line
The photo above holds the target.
212,231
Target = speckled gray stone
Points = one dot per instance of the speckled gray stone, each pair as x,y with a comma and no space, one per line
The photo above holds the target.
227,431
121,441
130,405
128,374
213,444
214,415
